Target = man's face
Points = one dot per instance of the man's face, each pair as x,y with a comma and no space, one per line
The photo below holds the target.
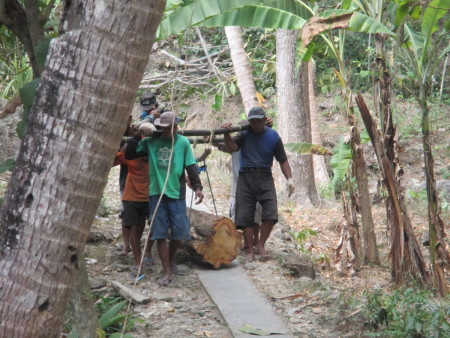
257,125
167,132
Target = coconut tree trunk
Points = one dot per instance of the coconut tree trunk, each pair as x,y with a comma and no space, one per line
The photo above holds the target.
320,167
241,67
293,114
80,112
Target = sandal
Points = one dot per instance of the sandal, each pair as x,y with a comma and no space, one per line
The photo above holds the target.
134,273
164,281
149,262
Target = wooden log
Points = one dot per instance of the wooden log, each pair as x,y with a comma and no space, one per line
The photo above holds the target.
216,239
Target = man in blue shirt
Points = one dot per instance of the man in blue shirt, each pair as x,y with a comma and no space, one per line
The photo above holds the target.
258,145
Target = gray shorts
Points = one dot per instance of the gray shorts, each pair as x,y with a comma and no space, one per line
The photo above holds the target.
232,212
252,188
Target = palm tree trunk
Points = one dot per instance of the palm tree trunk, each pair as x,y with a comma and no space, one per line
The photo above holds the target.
80,112
241,67
293,114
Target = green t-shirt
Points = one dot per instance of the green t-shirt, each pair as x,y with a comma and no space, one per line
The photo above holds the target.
158,152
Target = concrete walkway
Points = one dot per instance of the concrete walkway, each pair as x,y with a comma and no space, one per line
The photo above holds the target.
239,301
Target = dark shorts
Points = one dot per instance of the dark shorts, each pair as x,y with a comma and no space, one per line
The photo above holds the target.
171,214
252,188
134,213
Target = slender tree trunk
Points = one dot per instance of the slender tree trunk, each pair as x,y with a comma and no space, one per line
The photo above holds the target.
406,255
438,253
80,112
293,114
320,167
241,67
370,249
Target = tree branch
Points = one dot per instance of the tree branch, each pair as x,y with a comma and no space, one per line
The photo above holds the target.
47,11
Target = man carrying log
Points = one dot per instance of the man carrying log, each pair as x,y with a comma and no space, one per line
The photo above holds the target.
169,156
258,145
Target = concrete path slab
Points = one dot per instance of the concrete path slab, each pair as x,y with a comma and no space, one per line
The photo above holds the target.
239,301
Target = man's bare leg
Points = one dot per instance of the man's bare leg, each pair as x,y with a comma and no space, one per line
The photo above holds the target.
256,228
135,243
174,245
126,241
163,250
266,229
248,239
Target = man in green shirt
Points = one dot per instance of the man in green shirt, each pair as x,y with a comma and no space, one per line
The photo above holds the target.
168,157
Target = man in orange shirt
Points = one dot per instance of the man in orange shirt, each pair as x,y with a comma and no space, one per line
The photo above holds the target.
135,201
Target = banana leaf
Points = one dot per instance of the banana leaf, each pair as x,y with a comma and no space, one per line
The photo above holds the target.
340,162
307,148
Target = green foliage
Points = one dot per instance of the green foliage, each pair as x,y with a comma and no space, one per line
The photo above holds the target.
218,100
418,195
42,51
15,72
445,172
307,148
7,165
325,190
407,313
27,94
110,318
301,236
340,162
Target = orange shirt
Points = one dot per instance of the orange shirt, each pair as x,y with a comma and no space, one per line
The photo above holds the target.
137,183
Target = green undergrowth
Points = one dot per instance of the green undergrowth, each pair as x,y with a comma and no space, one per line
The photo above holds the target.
407,313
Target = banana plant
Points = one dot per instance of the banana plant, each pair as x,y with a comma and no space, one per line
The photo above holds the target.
424,50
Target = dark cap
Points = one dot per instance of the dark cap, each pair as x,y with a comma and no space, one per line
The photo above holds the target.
256,113
147,101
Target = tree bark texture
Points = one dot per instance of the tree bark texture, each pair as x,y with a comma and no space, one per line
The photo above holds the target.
82,305
370,250
320,167
438,252
78,118
406,255
241,67
294,120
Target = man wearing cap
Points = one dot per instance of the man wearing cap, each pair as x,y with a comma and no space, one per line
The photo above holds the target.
258,145
149,107
168,157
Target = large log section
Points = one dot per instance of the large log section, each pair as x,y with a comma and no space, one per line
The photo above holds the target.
215,238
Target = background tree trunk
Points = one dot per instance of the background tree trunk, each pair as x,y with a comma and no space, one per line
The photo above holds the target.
320,167
293,114
78,118
241,67
370,250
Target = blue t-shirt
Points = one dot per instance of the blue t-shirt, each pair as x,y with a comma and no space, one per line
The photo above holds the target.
258,150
